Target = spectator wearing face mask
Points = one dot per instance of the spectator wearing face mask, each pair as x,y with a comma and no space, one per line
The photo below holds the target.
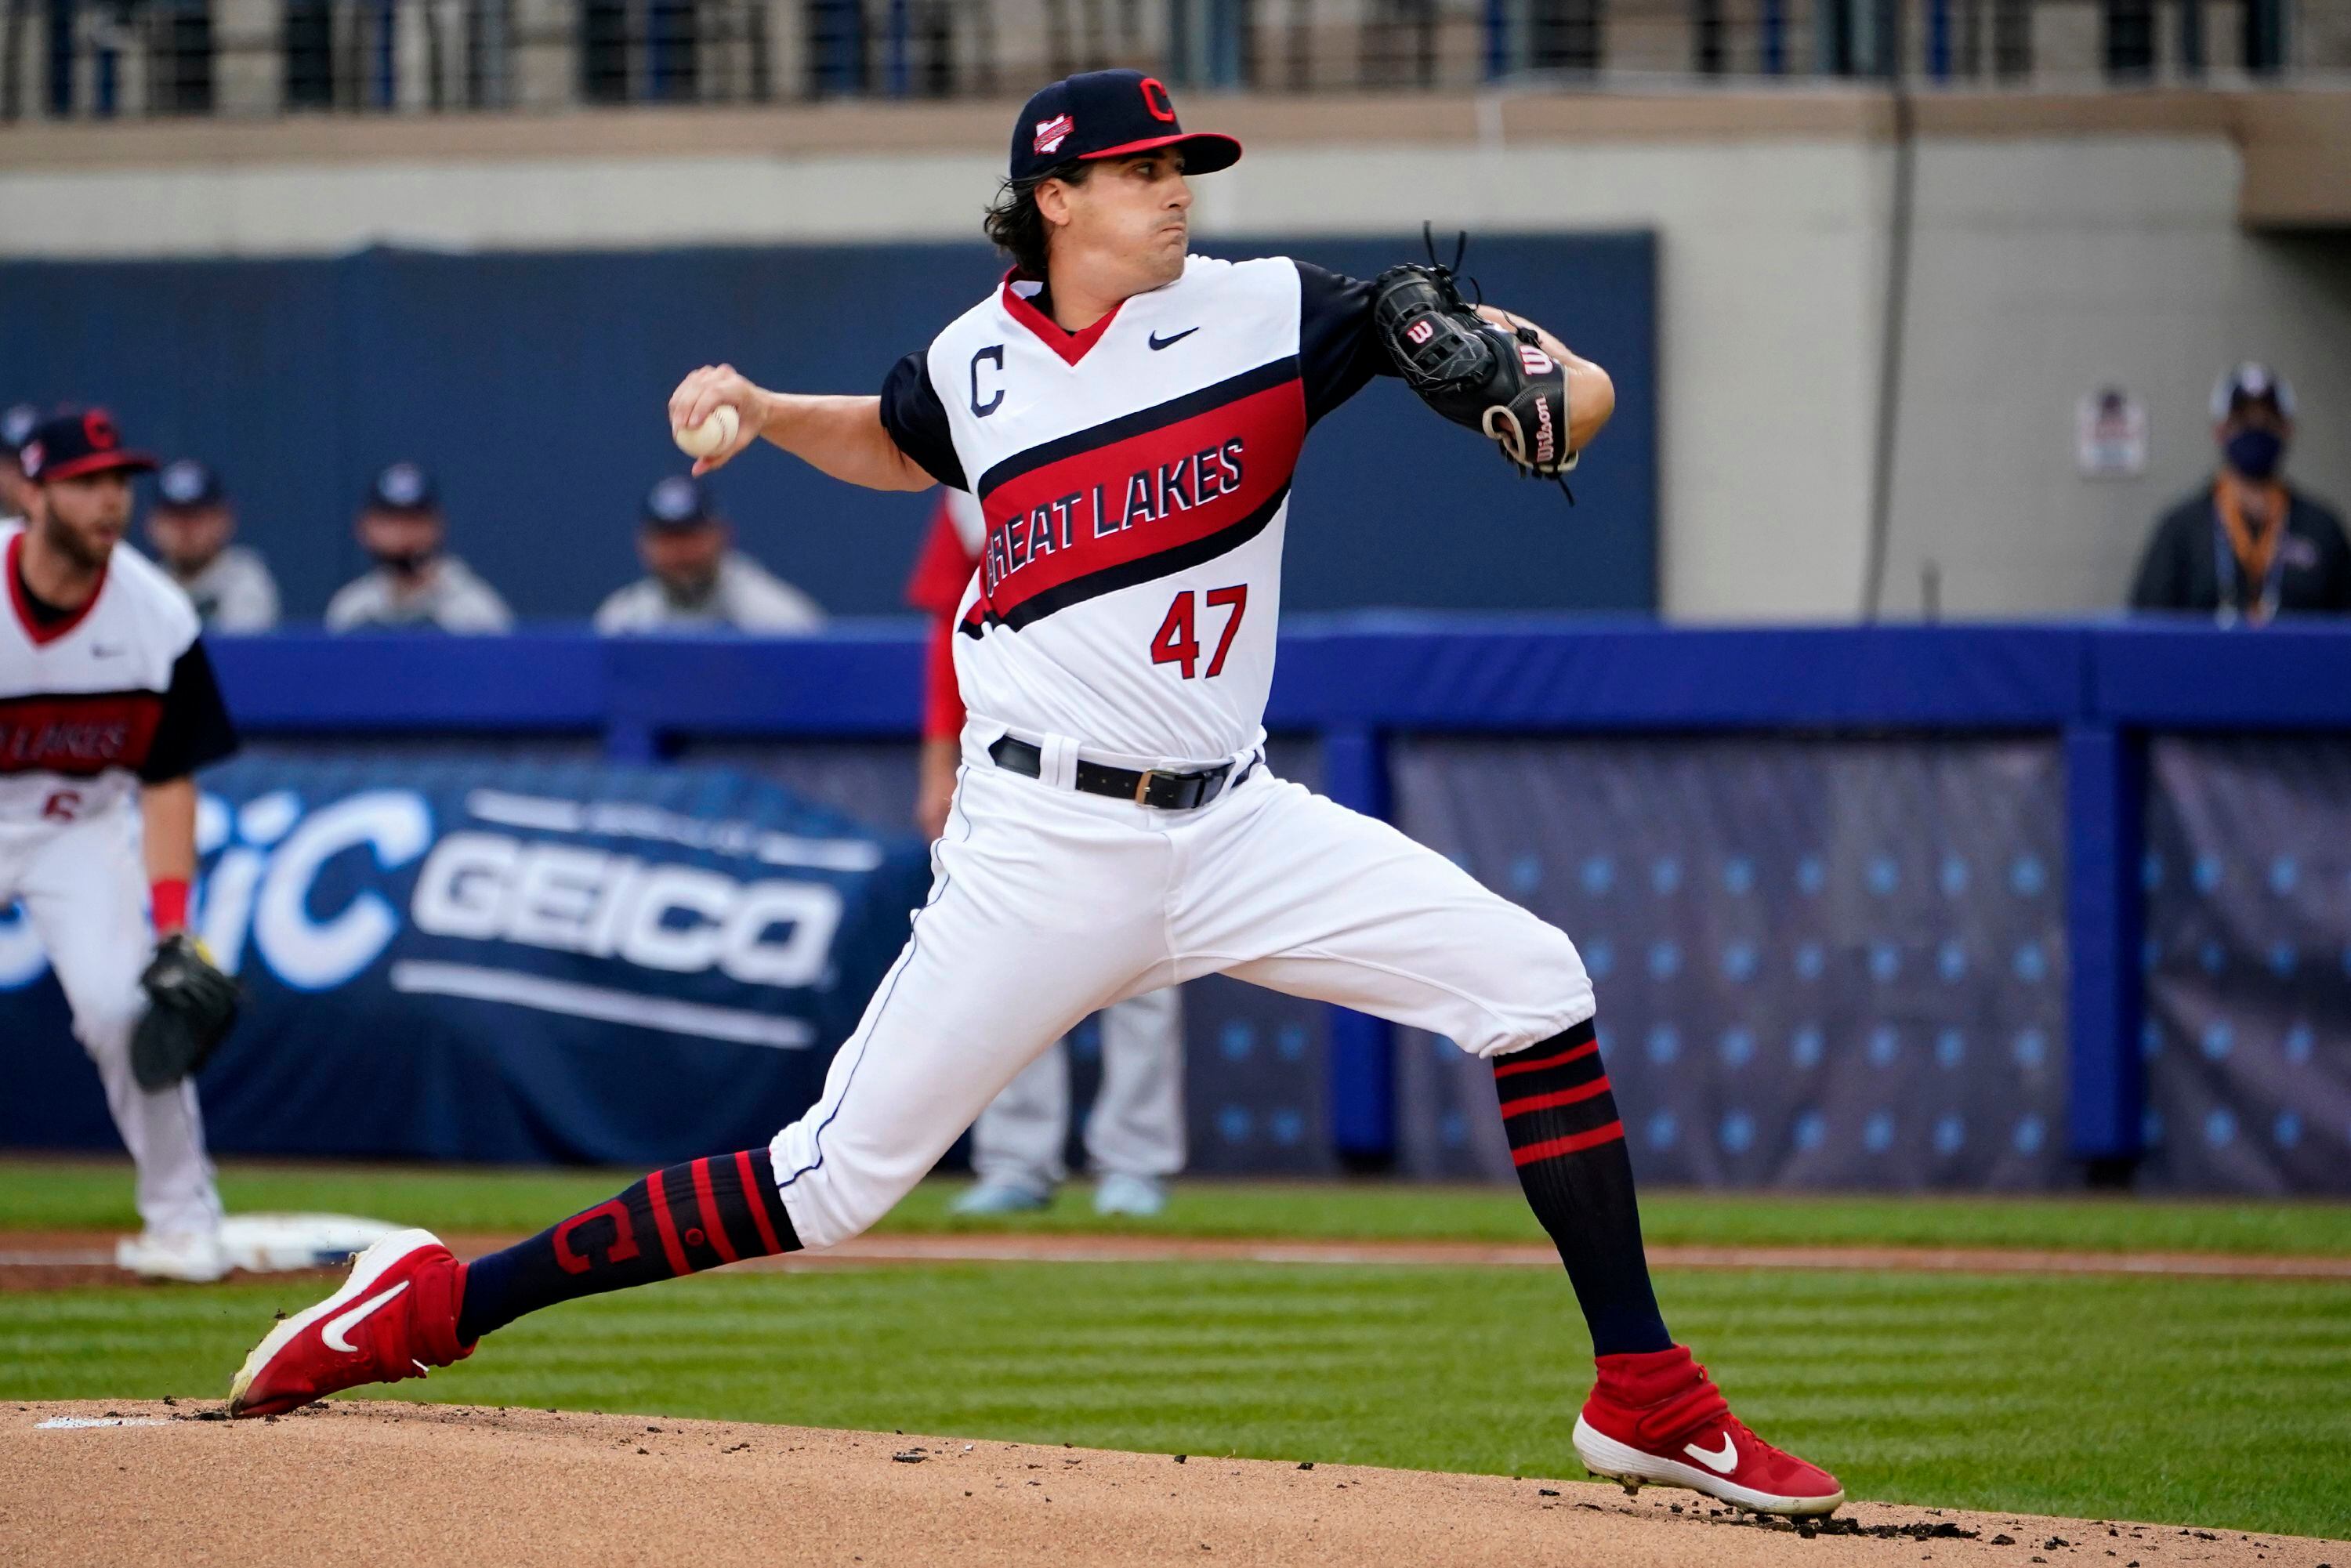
695,579
417,585
2248,547
191,529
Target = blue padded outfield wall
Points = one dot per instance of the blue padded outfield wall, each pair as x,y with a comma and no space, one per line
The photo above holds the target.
535,386
1894,907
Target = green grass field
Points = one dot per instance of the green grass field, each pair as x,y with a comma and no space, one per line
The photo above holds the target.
96,1195
2214,1401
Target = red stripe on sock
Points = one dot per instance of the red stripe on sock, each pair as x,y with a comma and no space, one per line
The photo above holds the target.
1563,1097
759,1202
712,1225
668,1228
1574,1053
1551,1147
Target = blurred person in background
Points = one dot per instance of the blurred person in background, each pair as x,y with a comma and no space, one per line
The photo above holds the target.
2248,547
16,429
1135,1134
191,529
416,585
696,579
108,707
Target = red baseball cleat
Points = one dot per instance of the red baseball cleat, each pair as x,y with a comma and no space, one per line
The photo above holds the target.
395,1317
1658,1418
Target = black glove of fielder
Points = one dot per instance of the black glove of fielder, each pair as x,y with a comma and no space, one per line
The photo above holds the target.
190,1006
1498,382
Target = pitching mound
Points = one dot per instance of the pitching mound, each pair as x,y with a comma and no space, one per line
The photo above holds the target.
366,1483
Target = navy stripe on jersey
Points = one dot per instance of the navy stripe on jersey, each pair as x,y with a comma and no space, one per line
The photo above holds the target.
1141,421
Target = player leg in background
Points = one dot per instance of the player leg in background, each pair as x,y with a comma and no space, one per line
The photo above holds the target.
1015,1144
1045,905
1286,890
85,893
1134,1134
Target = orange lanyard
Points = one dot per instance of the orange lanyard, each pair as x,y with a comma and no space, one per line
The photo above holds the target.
2254,553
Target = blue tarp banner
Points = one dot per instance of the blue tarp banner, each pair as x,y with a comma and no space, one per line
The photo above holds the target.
1821,963
485,960
2247,1039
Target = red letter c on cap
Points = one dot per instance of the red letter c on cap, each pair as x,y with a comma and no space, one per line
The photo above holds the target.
1156,100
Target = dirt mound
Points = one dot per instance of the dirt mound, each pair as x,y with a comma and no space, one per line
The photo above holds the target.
367,1482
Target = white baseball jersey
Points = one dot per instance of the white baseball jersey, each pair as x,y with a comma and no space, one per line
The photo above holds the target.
1134,480
94,701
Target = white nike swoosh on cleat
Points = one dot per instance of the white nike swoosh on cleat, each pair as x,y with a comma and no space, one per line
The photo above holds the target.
337,1327
1721,1463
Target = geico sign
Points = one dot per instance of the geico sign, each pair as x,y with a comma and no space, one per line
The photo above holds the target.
681,918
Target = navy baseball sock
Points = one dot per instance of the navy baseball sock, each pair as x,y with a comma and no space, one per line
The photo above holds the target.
1569,1148
676,1221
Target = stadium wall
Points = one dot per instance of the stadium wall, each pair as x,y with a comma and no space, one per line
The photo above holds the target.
2062,244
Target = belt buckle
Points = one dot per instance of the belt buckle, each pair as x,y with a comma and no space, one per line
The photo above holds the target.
1143,785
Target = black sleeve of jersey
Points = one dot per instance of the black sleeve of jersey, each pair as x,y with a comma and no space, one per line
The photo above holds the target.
917,420
1338,352
195,727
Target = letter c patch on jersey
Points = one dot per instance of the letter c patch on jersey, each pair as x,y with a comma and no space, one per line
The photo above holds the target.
995,353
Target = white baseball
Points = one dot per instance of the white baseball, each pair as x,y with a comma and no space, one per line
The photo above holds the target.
713,435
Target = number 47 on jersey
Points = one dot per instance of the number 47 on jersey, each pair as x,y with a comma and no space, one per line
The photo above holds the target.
1178,639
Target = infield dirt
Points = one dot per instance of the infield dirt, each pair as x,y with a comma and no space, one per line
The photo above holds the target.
370,1483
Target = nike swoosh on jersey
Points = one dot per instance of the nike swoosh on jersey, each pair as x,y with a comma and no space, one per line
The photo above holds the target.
343,1324
1159,342
1721,1463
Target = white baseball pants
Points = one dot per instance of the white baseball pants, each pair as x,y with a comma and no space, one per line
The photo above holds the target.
85,892
1136,1126
1046,904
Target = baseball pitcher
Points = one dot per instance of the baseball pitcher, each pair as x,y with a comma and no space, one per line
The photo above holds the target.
1130,416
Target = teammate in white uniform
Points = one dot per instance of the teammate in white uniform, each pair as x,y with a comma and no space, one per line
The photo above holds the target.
1129,417
1134,1134
107,707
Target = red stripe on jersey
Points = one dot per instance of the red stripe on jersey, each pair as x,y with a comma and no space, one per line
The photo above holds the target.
1089,517
79,735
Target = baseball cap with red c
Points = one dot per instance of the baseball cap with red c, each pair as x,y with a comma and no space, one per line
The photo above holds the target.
1110,114
70,445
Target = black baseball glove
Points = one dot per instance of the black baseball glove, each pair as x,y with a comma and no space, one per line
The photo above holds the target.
1498,382
190,1006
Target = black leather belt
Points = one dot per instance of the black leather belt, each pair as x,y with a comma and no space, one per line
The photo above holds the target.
1152,786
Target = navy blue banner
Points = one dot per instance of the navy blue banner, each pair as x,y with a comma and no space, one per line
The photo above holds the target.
516,960
2247,1037
1820,963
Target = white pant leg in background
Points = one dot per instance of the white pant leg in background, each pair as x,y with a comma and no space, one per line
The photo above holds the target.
1136,1126
1045,905
1018,1140
1284,889
85,893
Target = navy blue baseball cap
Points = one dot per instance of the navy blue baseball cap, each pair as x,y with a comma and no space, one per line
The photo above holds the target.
73,444
404,488
678,503
1110,114
188,485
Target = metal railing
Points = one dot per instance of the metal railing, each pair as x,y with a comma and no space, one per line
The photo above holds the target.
64,59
